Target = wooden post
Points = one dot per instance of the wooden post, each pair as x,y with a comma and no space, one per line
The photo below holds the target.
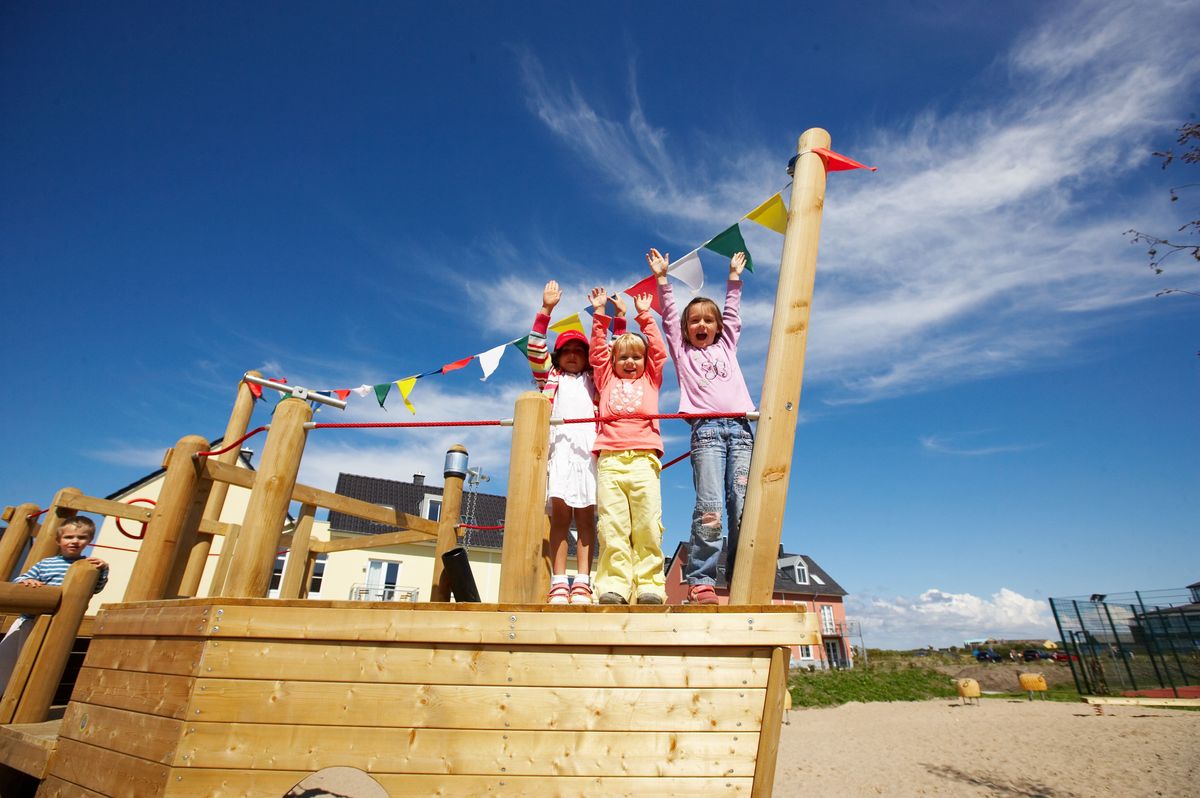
176,506
520,557
21,526
77,589
221,572
297,561
250,573
310,570
26,664
772,717
770,467
46,543
453,474
239,421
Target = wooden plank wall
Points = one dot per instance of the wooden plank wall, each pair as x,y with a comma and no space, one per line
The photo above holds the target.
201,700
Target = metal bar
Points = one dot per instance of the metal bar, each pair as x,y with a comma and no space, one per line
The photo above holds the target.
295,391
1063,637
1120,645
1152,652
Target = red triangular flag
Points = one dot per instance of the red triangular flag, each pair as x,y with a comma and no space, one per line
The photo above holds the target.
839,163
449,367
255,389
647,286
342,394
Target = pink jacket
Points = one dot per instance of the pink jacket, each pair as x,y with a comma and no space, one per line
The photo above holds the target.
621,397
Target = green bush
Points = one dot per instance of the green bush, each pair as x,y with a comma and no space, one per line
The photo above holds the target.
894,681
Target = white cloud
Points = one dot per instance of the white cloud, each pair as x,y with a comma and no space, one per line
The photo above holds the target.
989,241
952,445
944,619
148,457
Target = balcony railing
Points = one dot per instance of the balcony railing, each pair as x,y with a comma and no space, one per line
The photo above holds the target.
367,592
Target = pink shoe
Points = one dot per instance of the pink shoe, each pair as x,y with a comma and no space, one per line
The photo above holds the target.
702,594
559,594
581,593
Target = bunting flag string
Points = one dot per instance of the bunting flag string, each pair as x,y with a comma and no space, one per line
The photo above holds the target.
771,214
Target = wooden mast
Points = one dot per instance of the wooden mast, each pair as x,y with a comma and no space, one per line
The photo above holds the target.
770,468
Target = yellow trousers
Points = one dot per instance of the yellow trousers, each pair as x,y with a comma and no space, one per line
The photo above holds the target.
629,525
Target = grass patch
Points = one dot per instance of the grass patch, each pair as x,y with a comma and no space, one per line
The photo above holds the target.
831,688
1067,694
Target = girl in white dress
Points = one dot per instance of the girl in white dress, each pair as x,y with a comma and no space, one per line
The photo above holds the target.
566,378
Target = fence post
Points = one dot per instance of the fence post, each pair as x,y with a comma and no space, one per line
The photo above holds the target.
453,474
239,420
250,572
176,500
524,522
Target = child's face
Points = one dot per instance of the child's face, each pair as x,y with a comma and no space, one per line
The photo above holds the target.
630,362
702,326
572,357
72,541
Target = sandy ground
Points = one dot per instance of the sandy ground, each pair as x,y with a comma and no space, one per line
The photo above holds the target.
999,748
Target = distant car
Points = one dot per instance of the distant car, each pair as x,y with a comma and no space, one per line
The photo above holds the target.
988,656
1062,656
1032,655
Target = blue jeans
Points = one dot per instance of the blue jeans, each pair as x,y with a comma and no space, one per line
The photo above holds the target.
721,449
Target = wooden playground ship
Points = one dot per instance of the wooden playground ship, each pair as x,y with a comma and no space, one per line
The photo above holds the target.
222,692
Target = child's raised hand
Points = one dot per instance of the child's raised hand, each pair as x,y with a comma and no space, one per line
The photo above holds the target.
619,304
736,264
643,302
658,262
598,298
550,296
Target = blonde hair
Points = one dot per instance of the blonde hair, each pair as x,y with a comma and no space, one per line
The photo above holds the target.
82,522
625,341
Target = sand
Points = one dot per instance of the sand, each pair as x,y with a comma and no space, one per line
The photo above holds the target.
999,748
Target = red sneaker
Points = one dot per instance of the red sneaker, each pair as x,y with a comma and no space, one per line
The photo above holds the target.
702,594
559,594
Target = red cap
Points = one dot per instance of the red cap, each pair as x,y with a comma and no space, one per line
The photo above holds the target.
566,336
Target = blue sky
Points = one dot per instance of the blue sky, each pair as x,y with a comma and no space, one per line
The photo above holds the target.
996,407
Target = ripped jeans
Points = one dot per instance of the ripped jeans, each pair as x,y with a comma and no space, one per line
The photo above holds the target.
721,449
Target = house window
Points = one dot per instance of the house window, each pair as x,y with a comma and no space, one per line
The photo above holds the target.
277,573
801,572
431,507
382,578
827,626
314,586
805,652
318,576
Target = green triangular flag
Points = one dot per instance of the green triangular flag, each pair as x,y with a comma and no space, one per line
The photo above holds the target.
730,242
523,345
381,392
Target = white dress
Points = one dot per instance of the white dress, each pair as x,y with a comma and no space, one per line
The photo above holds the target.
572,469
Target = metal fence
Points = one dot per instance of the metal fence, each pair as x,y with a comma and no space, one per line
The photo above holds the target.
1145,643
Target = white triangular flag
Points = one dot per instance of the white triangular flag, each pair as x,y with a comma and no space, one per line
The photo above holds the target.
490,359
689,271
364,390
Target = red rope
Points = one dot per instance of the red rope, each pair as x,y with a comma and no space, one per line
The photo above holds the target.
238,442
683,456
476,526
401,424
39,514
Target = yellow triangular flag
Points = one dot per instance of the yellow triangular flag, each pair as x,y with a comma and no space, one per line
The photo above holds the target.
406,385
571,322
771,214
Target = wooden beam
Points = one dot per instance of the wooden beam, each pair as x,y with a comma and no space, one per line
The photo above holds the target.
224,559
21,527
176,508
91,504
239,420
306,494
772,723
250,572
18,598
771,464
363,542
524,521
27,746
298,548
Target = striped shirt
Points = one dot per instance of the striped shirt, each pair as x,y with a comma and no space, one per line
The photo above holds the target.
53,570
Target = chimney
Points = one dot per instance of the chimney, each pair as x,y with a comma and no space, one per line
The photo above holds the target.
418,479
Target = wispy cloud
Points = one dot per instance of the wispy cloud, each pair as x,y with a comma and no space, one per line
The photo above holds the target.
943,619
951,445
980,248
